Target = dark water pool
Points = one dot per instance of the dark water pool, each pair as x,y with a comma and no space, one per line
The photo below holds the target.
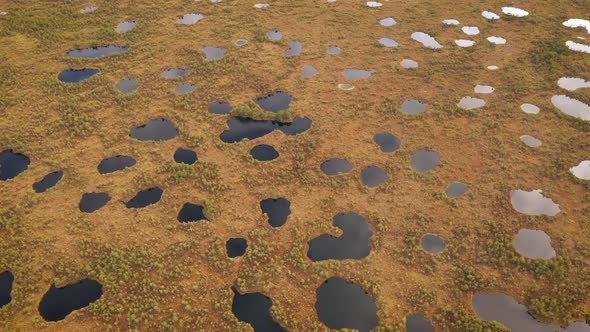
241,128
96,52
275,102
76,75
12,164
507,311
155,130
219,107
424,161
185,156
57,303
373,176
352,244
6,281
114,164
277,210
174,73
341,304
191,212
387,142
236,247
456,190
145,198
254,309
333,167
433,243
417,323
48,182
91,202
127,86
264,152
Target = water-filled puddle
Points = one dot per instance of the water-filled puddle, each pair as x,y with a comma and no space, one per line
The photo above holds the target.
185,156
409,64
373,176
505,310
513,11
496,40
241,128
470,30
88,9
577,47
582,171
295,48
533,244
184,88
125,26
571,106
174,73
145,198
241,42
76,75
191,212
57,303
261,5
492,67
96,52
464,42
417,323
426,40
345,86
336,166
424,161
155,130
236,247
531,141
387,22
451,22
356,74
91,202
374,4
219,107
456,190
275,35
341,304
483,89
388,42
277,210
352,244
412,107
471,103
387,142
116,163
264,152
333,50
189,19
276,102
432,243
127,86
533,203
577,23
530,108
254,309
48,182
572,83
12,164
490,15
309,71
6,280
213,53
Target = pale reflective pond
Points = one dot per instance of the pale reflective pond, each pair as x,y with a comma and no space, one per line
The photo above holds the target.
533,203
533,244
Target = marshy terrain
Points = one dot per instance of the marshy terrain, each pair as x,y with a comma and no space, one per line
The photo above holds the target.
299,165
